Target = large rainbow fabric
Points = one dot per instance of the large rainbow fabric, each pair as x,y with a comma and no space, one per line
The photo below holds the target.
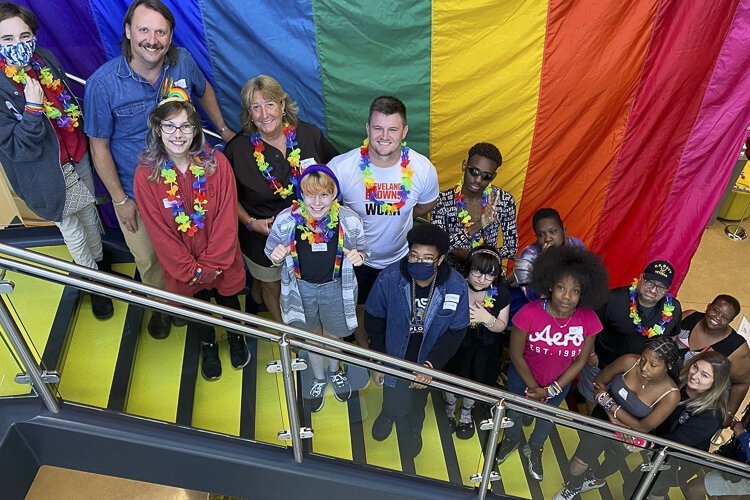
625,115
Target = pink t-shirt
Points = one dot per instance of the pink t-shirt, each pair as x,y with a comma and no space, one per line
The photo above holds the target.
553,343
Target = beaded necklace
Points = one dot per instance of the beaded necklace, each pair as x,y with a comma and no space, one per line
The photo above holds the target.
666,313
68,119
339,247
463,214
290,133
369,181
489,300
195,221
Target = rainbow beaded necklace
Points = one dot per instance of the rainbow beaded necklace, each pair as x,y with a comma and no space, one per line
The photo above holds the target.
301,217
195,221
666,313
365,166
290,133
463,214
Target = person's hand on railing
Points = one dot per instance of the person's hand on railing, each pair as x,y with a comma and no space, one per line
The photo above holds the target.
420,380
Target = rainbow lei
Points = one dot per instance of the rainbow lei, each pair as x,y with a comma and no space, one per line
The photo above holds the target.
666,313
477,240
489,300
192,223
369,181
307,225
69,118
339,247
290,132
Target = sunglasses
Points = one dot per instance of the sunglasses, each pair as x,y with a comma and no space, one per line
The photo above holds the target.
475,172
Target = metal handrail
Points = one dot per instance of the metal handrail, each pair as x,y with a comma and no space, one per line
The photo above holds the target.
82,82
135,292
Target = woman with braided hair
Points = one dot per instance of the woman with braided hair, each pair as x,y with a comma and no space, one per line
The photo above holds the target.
637,392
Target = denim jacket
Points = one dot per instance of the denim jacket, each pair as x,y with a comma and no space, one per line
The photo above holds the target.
390,298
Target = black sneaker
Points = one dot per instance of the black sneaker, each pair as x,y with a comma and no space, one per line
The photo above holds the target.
452,423
211,365
505,449
382,428
566,493
102,307
238,351
159,325
342,390
526,420
534,461
465,429
591,482
317,394
413,445
450,411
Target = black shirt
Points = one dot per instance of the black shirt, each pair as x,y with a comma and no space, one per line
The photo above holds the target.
419,301
254,194
686,428
316,267
619,336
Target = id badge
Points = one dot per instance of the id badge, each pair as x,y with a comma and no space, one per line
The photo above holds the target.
418,329
319,247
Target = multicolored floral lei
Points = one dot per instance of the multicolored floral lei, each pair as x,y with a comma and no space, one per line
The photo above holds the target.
666,313
489,300
290,133
69,118
192,223
327,224
463,214
369,181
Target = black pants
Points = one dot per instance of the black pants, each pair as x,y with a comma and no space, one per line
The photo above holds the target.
405,406
206,332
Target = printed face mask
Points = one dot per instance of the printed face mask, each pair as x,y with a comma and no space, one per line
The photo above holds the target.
18,54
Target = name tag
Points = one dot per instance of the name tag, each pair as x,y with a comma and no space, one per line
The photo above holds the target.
623,393
319,247
306,163
450,305
576,330
166,202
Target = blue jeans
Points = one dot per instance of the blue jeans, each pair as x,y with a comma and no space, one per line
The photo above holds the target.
542,428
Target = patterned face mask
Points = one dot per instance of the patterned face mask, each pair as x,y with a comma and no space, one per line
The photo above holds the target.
18,54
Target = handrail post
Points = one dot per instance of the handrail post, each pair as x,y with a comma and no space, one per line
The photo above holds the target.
647,481
291,398
27,359
489,452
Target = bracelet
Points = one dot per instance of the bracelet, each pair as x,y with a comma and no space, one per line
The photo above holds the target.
249,223
602,396
222,129
197,276
616,410
34,110
609,404
494,320
553,389
121,203
29,103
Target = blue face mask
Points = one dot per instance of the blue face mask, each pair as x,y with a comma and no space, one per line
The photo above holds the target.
420,271
18,54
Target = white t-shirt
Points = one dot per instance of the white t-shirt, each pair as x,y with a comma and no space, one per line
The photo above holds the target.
385,234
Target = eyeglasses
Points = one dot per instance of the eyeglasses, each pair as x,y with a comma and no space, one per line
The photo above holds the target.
654,286
414,259
185,128
479,274
475,172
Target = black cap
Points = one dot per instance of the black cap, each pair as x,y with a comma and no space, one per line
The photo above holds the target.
661,271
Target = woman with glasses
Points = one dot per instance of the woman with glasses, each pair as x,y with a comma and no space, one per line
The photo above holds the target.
475,213
188,200
478,358
267,159
551,340
711,331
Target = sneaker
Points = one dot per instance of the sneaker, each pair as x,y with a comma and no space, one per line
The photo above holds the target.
211,365
159,325
591,482
534,461
504,449
526,420
101,307
317,394
566,493
238,351
342,390
450,411
382,428
413,445
465,429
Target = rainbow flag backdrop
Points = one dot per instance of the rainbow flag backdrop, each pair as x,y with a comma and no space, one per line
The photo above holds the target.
625,115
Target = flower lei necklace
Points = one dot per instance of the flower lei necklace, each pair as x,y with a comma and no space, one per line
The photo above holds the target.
369,181
666,313
192,223
489,300
68,119
328,223
463,214
290,132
